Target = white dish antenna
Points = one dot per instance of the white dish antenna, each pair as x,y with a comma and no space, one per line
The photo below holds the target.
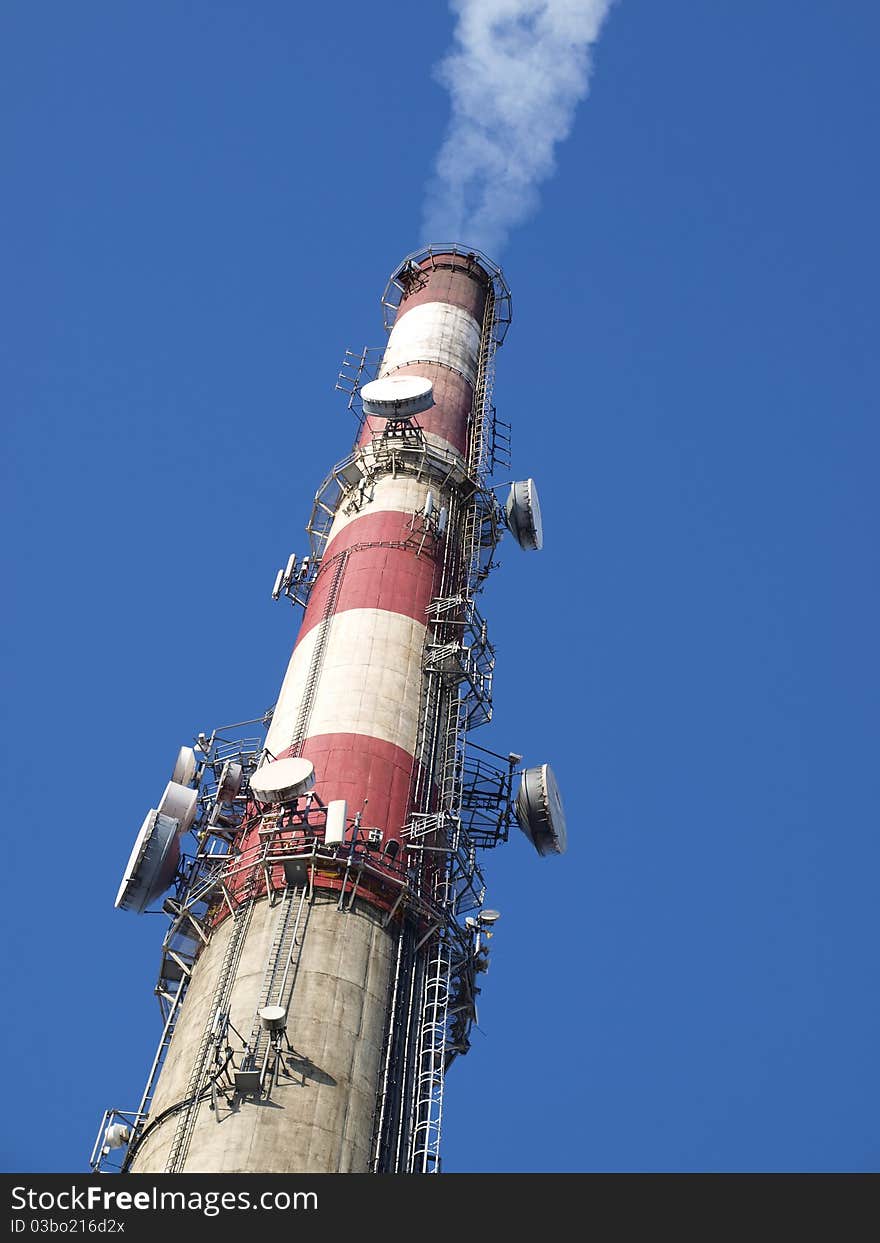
398,396
231,777
151,864
180,803
185,766
539,811
524,515
282,781
272,1018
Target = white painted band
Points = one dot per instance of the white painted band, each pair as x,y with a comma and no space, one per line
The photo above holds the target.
435,332
370,680
387,494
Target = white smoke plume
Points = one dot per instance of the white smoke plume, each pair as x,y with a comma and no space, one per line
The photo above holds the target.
515,78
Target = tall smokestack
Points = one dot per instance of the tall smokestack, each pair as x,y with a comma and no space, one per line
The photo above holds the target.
328,928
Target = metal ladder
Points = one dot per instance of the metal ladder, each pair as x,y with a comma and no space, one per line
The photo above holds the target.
427,1105
450,764
281,968
409,1113
213,1033
480,431
431,1056
162,1050
314,674
393,1122
479,448
427,1113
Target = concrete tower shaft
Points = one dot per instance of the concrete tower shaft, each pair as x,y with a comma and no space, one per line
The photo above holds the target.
352,702
320,1116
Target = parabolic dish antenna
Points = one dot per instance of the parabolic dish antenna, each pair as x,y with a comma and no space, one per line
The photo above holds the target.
272,1018
152,863
282,781
231,777
180,803
397,396
539,811
524,515
185,766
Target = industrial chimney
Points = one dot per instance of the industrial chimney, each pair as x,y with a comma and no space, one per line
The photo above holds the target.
322,880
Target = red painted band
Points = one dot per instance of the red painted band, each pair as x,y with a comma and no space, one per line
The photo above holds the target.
376,576
356,767
442,284
372,775
371,527
448,417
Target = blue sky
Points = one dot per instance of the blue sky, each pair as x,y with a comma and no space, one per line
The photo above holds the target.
201,206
